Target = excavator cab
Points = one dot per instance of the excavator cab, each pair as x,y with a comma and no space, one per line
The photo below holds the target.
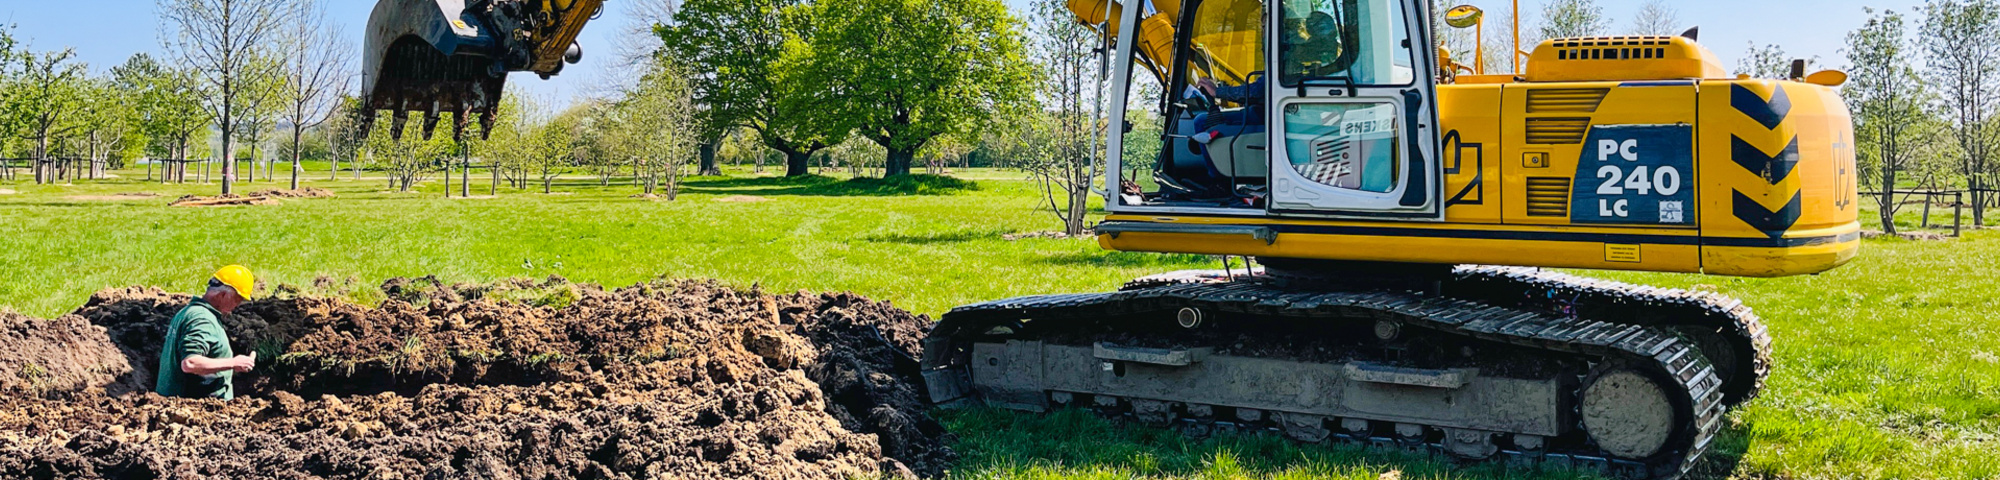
437,56
1344,126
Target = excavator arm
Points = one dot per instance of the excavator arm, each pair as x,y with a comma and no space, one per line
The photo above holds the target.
438,56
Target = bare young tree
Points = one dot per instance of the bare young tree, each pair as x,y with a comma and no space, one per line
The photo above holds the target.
1058,148
1962,40
1656,17
220,39
1888,99
315,73
660,119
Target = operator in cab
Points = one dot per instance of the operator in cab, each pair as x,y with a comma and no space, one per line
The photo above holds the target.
195,358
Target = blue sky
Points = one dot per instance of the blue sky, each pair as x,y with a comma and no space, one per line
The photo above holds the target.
106,32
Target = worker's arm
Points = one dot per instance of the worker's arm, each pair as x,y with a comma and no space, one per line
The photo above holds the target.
200,365
204,339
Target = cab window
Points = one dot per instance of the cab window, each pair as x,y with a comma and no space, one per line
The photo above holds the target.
1364,41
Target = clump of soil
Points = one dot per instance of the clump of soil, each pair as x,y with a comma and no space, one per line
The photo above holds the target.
518,379
65,354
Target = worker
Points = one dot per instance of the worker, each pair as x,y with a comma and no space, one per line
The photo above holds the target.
195,359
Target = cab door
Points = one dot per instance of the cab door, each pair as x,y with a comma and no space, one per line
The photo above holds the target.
1354,112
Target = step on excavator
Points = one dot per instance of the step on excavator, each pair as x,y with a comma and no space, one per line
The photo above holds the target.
1403,207
453,56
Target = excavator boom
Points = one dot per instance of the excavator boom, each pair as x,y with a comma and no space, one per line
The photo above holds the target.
439,56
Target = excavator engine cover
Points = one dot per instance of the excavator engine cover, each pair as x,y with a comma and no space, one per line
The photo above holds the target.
439,56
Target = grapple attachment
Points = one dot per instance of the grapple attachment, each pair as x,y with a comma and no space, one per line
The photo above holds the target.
439,56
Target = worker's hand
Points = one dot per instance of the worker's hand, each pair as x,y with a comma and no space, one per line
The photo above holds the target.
243,363
1206,85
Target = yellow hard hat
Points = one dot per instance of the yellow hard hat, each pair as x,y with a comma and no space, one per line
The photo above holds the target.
237,277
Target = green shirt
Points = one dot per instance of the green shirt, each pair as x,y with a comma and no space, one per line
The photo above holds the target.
196,330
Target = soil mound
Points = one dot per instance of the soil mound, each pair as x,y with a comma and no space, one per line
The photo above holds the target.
518,379
52,357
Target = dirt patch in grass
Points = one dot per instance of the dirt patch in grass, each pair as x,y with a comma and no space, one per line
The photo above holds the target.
743,199
5,191
1913,236
518,379
225,200
1012,237
116,197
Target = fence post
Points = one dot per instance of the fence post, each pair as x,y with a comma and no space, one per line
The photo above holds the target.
1958,213
1927,209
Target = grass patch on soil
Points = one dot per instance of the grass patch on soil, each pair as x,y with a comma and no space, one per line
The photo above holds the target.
1886,368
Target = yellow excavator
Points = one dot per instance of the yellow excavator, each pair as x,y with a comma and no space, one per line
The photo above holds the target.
453,56
1402,207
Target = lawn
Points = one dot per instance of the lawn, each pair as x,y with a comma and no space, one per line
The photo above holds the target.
1887,368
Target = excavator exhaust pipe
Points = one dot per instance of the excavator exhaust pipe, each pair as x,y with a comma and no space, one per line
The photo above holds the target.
453,56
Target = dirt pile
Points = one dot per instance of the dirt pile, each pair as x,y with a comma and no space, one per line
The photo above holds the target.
512,380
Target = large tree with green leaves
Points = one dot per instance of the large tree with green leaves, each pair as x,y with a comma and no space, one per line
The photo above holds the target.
903,72
1962,41
737,53
1888,100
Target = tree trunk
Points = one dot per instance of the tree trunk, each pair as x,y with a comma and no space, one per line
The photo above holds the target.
298,135
495,190
898,162
708,157
1888,205
798,164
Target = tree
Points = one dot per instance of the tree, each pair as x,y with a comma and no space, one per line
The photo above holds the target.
1656,17
741,58
314,75
659,103
46,101
1767,62
1887,98
1572,18
168,111
109,125
262,101
220,41
1059,149
903,72
1962,41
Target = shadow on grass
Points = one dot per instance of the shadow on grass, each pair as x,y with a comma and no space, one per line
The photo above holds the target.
999,444
815,185
938,238
1134,259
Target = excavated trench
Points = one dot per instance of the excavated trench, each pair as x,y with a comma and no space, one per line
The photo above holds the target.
512,380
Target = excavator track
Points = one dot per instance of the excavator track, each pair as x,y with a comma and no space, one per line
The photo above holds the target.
1728,332
1593,371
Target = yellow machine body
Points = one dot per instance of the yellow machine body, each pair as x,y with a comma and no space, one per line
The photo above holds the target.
1770,166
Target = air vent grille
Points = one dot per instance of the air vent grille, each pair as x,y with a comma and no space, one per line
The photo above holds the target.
1557,131
1566,100
1548,197
1613,48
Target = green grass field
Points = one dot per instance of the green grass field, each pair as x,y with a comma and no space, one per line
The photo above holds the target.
1887,368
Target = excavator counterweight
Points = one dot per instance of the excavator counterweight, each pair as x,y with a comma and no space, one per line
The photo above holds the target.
453,56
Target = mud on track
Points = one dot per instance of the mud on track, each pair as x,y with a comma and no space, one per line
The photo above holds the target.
515,380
